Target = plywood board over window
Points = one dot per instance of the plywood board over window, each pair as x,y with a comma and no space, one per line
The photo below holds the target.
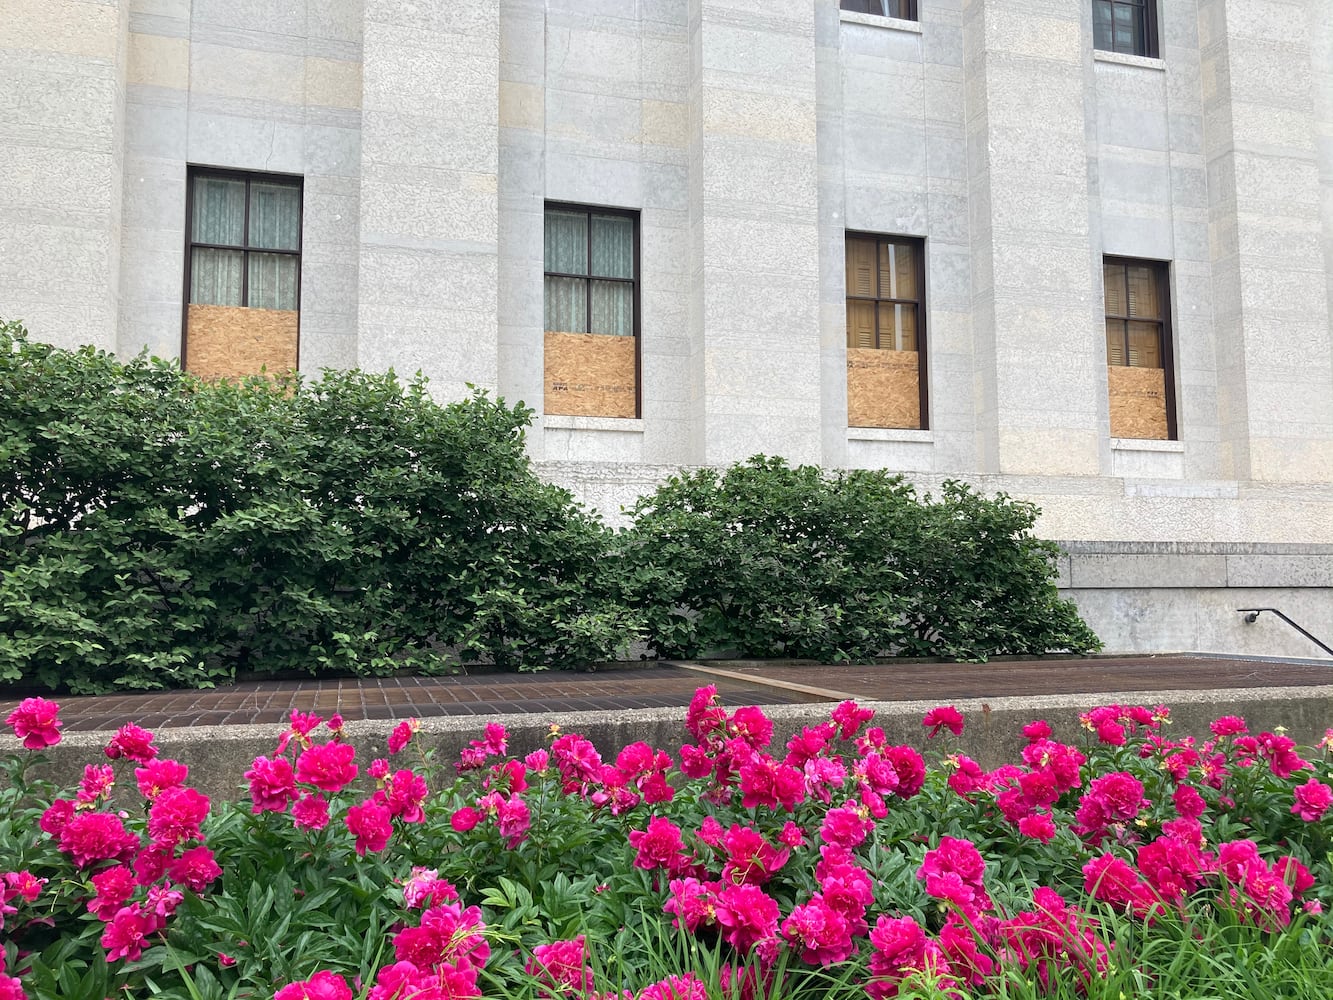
590,375
243,274
1138,402
883,388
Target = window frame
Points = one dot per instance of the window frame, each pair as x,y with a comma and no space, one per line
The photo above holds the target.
918,245
635,283
1161,271
192,173
907,9
1152,46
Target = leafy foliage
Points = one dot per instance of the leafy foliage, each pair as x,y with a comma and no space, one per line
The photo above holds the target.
771,560
159,531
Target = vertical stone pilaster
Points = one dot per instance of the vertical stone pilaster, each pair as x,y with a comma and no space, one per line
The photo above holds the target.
522,95
62,65
754,231
428,256
1035,308
1269,264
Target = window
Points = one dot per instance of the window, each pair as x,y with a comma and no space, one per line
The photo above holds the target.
886,356
1138,348
591,311
905,9
1125,26
243,273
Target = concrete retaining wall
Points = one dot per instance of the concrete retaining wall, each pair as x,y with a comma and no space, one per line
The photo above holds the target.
219,756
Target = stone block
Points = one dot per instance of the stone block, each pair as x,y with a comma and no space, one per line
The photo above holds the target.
1089,571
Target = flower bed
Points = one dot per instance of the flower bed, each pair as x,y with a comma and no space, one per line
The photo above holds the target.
1133,865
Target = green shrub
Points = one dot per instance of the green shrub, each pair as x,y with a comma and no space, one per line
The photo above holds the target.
770,560
162,531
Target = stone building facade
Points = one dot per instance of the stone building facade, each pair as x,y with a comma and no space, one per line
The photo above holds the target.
1083,247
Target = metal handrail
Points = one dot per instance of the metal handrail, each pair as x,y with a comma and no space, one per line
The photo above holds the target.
1252,616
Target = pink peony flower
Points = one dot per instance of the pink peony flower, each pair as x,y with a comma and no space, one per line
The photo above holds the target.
370,823
448,934
750,858
1036,730
1312,800
846,826
943,717
512,819
57,816
686,987
125,932
311,812
157,776
561,966
176,815
323,985
424,888
35,723
1188,802
901,949
405,793
1229,725
850,717
954,871
132,743
96,784
327,766
402,734
818,932
272,784
659,846
90,837
195,869
746,915
911,770
465,819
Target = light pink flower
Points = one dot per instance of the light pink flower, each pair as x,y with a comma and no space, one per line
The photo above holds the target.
35,722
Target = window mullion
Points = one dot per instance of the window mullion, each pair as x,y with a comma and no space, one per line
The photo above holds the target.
245,252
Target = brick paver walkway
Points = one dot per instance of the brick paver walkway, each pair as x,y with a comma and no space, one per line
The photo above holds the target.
669,685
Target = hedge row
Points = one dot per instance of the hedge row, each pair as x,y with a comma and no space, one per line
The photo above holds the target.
159,531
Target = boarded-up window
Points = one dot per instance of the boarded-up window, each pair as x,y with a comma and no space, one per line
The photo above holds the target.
1138,348
243,285
591,312
885,332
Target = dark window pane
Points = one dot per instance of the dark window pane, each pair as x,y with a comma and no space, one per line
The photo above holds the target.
272,281
1115,342
1145,345
897,326
215,276
1143,299
218,211
566,242
897,271
612,246
864,6
566,305
275,216
861,267
860,324
612,308
1114,277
